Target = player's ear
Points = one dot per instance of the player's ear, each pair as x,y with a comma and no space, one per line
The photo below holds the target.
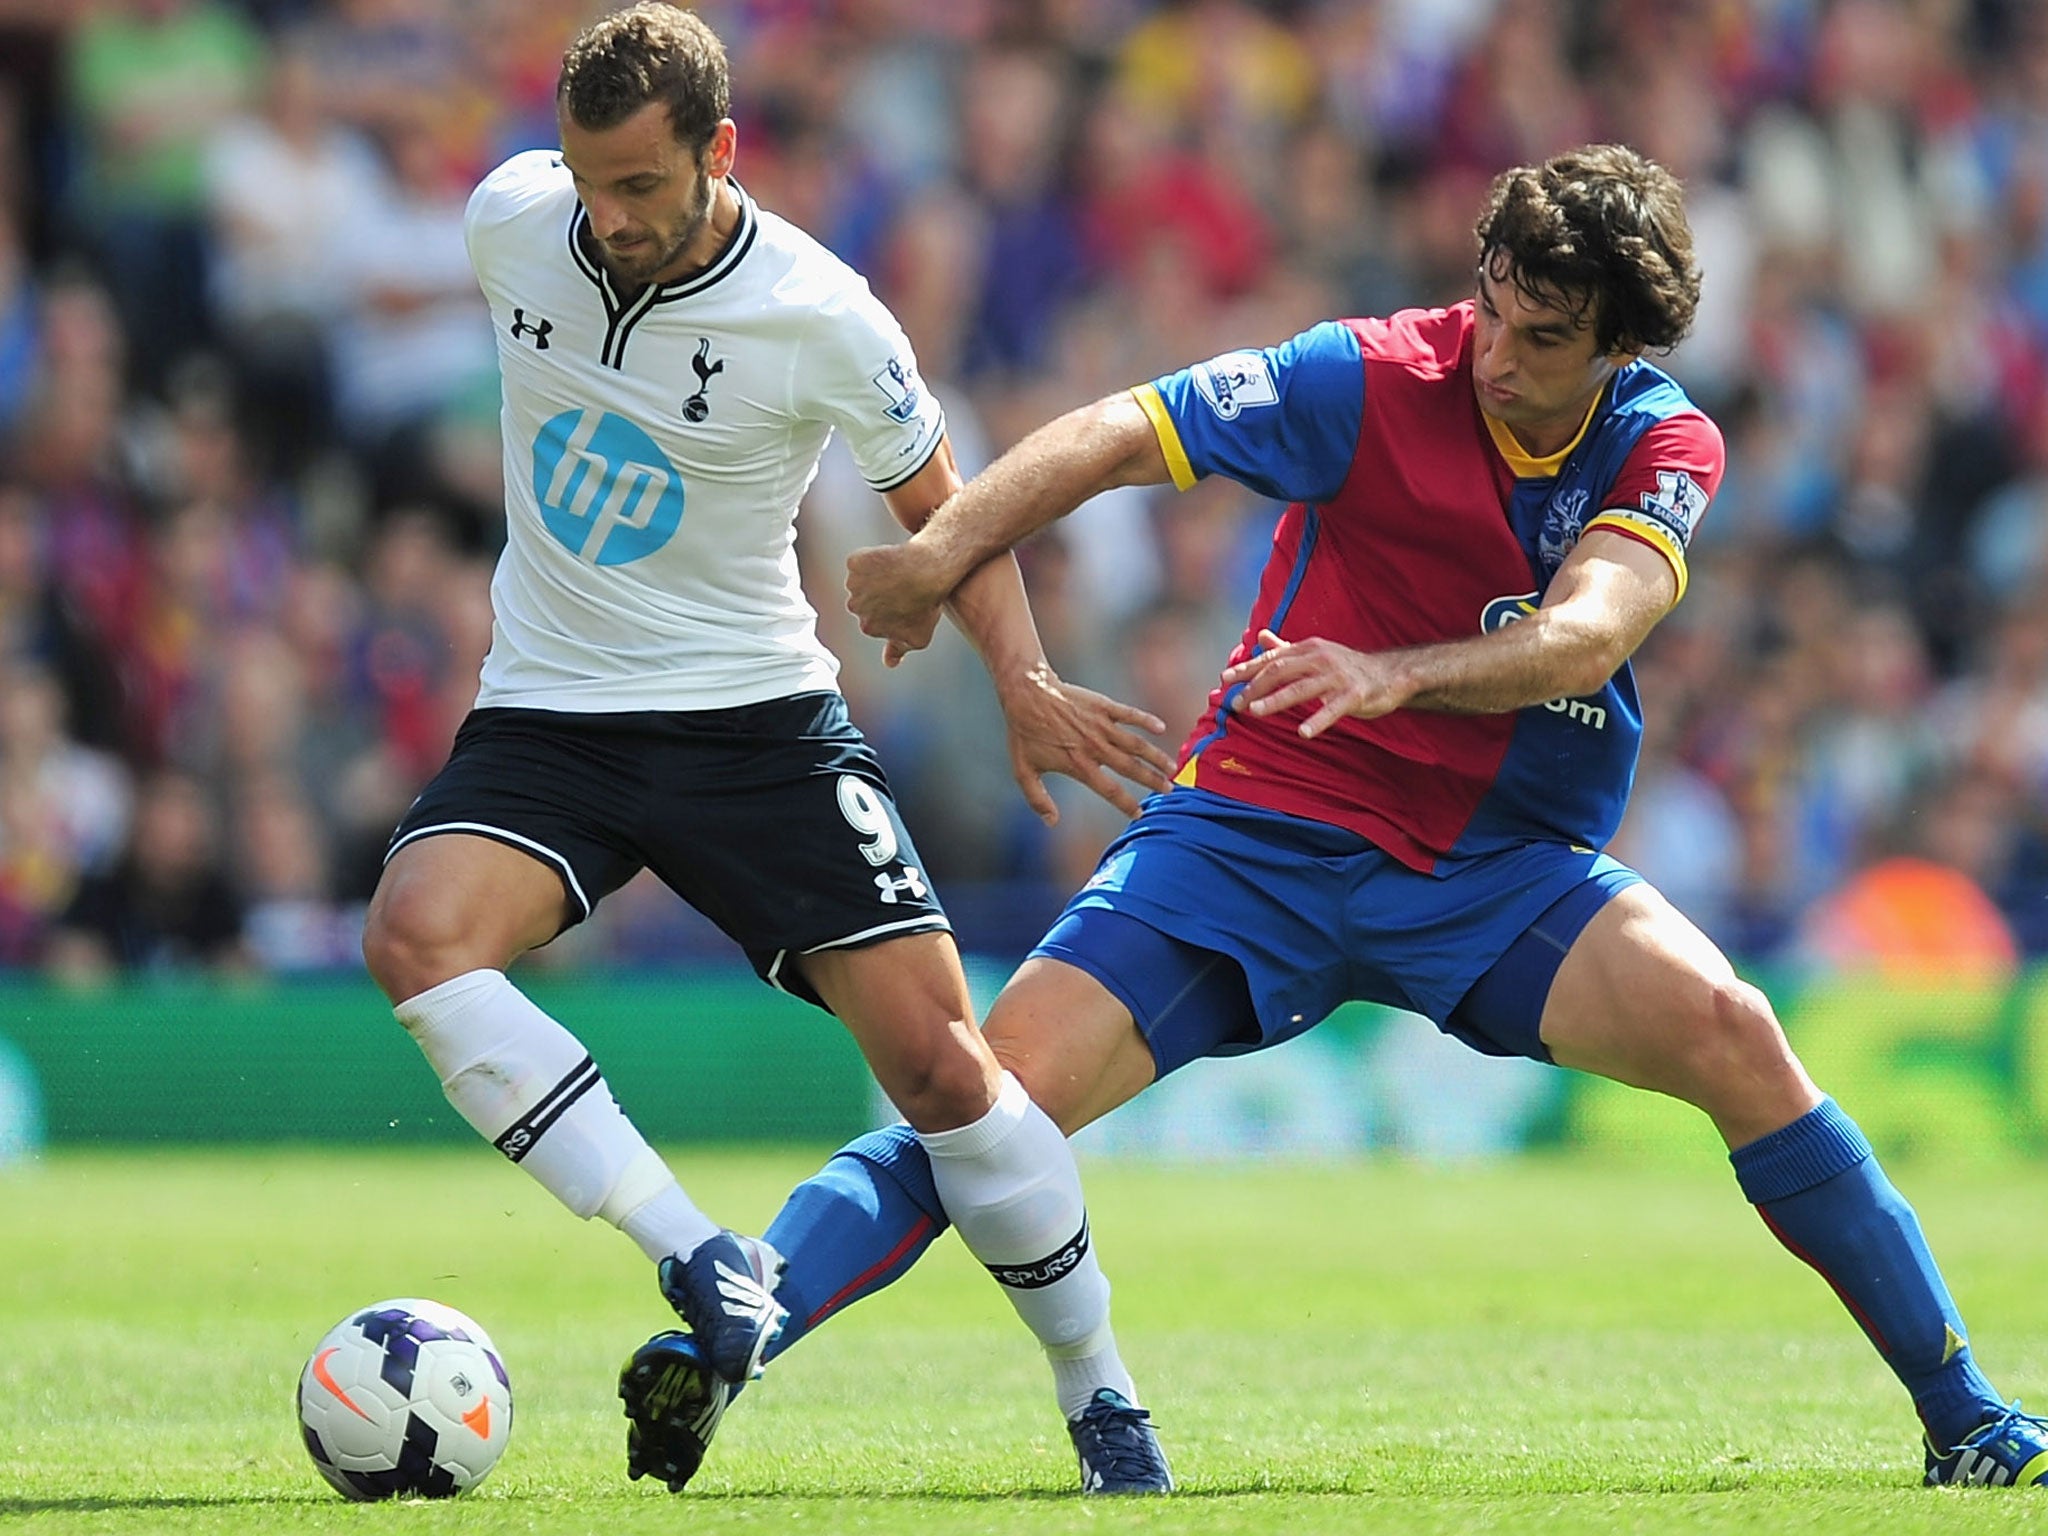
723,149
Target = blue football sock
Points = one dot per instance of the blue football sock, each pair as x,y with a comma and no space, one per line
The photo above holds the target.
854,1227
1818,1187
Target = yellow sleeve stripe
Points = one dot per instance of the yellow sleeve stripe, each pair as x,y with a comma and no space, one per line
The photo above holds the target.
1650,534
1169,435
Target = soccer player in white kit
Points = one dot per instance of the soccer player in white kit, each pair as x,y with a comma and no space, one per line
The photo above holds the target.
674,360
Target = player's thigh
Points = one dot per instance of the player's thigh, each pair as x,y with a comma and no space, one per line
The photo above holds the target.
1072,1044
1645,998
905,1002
519,835
457,902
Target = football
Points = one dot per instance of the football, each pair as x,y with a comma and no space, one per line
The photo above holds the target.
406,1397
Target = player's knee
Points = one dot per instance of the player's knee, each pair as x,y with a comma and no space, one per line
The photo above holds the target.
1053,1085
411,944
388,955
942,1088
1733,1038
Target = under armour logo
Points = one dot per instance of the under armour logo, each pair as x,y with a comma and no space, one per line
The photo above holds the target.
893,890
538,330
696,408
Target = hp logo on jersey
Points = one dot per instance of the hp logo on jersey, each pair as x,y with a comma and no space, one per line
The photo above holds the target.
607,492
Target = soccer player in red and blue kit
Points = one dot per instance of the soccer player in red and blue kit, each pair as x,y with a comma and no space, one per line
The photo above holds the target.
1403,781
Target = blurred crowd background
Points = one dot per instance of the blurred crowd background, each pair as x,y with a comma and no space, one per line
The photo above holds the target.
250,498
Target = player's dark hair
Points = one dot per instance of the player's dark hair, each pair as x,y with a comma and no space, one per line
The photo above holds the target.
1602,229
648,52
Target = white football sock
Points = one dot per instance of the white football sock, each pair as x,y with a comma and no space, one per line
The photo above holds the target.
667,1223
1080,1369
1009,1183
529,1088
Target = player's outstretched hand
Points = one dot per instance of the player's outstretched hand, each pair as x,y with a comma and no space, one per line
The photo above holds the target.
1341,682
897,594
1057,727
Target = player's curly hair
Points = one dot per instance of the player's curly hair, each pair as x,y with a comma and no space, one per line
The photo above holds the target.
1600,228
648,52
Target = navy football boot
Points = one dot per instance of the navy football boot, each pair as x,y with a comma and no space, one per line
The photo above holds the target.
673,1405
725,1292
1118,1450
2011,1449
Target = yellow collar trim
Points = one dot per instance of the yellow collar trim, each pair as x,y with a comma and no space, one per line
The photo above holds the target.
1524,464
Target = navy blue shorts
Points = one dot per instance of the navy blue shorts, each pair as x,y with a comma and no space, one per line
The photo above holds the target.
773,819
1225,928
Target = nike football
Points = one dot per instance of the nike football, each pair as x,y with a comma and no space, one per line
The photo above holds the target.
406,1397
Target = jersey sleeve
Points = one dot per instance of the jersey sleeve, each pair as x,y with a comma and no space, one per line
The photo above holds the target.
1664,486
499,199
1282,420
862,377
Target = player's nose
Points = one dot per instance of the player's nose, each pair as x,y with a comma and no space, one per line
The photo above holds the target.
607,218
1496,356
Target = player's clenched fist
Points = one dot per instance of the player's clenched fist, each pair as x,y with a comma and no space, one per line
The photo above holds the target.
897,592
1340,681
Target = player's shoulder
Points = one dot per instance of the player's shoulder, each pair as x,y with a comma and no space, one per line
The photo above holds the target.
1429,343
533,183
1646,399
804,274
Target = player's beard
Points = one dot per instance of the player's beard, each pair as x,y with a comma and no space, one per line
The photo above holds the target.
637,271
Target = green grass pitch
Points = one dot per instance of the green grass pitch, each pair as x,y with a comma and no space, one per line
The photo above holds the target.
1538,1346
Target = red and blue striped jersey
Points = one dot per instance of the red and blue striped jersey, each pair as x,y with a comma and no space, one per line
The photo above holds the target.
1414,519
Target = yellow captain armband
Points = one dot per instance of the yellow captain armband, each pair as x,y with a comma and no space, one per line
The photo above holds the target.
1646,531
1169,435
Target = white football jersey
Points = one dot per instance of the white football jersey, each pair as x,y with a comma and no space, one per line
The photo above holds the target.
656,450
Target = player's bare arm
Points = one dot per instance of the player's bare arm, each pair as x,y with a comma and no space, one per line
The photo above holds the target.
896,592
1055,726
1606,597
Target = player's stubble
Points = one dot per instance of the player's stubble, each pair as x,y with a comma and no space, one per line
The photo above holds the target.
633,269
